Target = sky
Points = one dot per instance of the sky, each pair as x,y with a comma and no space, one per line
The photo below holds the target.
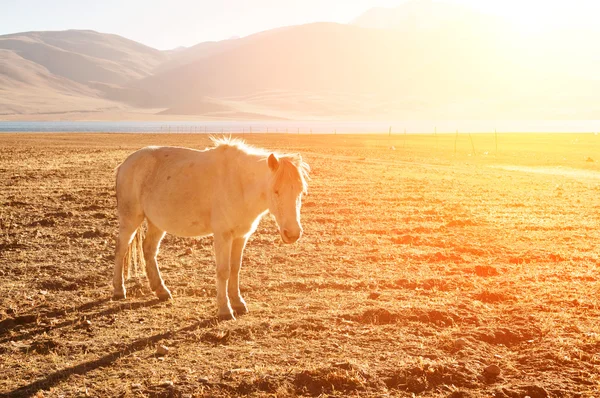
173,23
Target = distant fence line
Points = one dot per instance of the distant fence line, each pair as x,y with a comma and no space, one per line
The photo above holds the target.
433,140
243,130
254,129
390,131
194,129
390,139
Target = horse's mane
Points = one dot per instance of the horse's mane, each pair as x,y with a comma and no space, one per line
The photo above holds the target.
239,144
291,165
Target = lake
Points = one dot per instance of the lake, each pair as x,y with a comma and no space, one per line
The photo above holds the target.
306,127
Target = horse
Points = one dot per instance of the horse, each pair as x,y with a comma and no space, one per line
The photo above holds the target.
222,191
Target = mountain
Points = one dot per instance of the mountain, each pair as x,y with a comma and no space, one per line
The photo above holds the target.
338,68
85,56
422,60
184,56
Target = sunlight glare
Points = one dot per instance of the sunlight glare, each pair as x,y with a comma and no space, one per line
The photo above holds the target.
533,16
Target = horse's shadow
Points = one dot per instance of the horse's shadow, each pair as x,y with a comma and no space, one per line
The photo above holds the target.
9,324
28,326
53,379
25,320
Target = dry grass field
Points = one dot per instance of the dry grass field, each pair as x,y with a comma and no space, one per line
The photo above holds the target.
423,270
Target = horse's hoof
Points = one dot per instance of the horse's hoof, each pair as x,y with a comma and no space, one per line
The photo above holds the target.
163,294
226,317
119,296
240,310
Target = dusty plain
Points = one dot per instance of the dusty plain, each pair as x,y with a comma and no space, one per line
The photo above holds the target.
429,266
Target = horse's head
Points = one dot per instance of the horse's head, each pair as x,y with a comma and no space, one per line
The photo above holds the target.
287,184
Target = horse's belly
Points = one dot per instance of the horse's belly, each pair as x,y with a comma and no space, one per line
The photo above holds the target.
186,216
186,228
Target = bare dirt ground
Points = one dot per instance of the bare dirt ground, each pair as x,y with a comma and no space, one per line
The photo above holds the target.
423,270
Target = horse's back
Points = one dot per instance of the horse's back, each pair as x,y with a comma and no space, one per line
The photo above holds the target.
145,162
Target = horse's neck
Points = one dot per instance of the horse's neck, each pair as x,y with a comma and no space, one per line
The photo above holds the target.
255,174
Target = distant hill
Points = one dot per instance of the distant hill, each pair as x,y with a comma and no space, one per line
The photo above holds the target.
57,72
29,88
85,56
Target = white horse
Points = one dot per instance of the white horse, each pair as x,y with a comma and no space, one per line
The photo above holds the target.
224,191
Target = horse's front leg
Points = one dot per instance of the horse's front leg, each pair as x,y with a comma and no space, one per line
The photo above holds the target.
223,243
237,302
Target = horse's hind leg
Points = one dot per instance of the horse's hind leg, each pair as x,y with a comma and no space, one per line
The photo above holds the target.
151,245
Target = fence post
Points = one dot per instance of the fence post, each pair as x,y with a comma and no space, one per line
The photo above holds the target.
455,140
496,137
472,144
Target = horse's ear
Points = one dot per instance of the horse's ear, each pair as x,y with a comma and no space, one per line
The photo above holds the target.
273,163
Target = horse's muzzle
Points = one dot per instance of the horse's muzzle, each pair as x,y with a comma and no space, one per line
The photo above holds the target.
290,237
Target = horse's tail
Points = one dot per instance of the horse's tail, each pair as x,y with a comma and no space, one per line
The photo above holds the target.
134,263
116,176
